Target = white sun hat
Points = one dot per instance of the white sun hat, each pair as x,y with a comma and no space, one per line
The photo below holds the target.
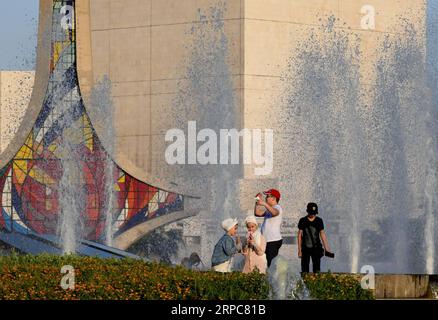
229,223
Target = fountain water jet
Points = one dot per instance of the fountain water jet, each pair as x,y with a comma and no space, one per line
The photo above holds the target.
207,96
430,191
323,113
285,283
71,203
361,151
102,104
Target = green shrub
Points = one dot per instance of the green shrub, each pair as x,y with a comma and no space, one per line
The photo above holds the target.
328,286
39,277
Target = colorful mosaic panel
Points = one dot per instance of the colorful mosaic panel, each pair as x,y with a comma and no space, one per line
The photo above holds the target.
31,181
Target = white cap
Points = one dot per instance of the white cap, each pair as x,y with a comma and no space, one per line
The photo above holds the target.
229,223
251,219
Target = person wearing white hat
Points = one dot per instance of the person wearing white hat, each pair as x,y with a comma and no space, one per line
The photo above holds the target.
254,251
226,247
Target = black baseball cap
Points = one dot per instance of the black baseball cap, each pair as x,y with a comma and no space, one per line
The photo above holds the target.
312,208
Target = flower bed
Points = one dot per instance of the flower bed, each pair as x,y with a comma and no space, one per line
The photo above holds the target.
329,286
39,277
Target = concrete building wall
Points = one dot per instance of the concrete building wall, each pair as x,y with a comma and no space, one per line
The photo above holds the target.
275,28
273,32
15,92
143,46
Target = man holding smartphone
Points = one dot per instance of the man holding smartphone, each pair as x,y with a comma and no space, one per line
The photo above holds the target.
273,215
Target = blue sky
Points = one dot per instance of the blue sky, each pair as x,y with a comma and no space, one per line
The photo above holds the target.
18,30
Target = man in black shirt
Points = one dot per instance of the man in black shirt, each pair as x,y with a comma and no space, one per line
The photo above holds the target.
310,234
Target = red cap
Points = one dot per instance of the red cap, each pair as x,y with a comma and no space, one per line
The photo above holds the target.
273,192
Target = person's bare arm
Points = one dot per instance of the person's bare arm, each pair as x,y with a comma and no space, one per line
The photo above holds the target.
300,236
258,211
324,241
272,210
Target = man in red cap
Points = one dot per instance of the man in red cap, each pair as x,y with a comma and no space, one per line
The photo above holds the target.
273,214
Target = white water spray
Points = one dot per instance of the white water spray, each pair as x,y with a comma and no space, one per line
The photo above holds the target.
103,107
71,200
285,283
430,191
